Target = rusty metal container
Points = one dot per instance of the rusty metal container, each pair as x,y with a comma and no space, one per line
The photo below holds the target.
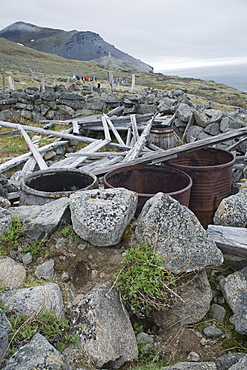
211,173
147,180
42,187
162,136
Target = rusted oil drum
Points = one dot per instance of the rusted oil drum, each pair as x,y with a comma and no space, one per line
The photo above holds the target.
162,136
42,187
211,173
147,180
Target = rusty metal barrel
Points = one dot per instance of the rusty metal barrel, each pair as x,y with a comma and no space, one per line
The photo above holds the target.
148,180
211,173
162,136
42,187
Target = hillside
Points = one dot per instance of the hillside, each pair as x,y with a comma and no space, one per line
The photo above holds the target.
17,60
76,45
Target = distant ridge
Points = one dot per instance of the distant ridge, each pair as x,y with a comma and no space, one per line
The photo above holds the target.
76,45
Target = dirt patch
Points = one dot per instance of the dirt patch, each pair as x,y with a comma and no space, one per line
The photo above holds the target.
181,340
84,264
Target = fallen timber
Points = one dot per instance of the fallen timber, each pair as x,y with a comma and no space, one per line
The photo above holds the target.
231,240
142,155
164,155
24,157
63,135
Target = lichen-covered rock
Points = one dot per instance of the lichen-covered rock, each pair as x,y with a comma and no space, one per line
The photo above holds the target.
192,303
5,220
29,301
46,270
226,361
177,235
37,354
41,221
5,327
103,325
234,289
240,365
232,210
191,366
12,274
101,216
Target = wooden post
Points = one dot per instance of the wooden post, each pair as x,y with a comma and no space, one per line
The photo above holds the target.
11,85
43,84
4,82
111,81
133,83
68,83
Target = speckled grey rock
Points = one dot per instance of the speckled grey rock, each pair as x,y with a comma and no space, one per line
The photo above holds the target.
176,234
232,210
103,325
12,274
37,354
212,331
226,361
191,366
46,270
234,290
183,112
193,304
218,312
41,221
5,327
5,220
101,216
4,203
240,365
33,300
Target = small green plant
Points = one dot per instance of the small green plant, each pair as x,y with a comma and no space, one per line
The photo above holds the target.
56,330
68,230
10,238
16,238
143,281
33,248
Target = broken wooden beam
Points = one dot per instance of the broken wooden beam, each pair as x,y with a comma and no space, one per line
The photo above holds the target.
231,240
39,159
24,157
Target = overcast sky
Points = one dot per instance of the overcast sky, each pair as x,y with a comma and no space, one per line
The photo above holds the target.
167,34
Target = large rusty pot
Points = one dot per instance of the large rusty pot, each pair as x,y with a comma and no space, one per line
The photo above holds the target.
148,180
211,173
42,187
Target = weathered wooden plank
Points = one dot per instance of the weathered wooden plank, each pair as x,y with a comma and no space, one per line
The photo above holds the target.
106,128
75,127
24,157
94,122
41,163
49,132
134,128
128,138
73,162
114,130
231,240
136,150
96,154
83,139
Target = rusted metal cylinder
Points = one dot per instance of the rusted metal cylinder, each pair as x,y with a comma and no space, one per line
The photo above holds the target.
42,187
148,180
162,136
211,173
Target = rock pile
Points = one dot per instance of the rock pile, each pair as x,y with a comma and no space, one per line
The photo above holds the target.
107,339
